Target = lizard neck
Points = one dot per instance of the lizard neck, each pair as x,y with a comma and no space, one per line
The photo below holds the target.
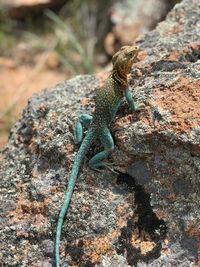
119,79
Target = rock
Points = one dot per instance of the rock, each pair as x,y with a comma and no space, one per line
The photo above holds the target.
131,18
148,214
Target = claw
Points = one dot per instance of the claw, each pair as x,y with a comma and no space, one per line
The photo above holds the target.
105,165
110,168
98,170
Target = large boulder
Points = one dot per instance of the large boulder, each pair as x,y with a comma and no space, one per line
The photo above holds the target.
144,214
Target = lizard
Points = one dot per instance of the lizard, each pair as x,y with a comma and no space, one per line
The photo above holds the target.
107,101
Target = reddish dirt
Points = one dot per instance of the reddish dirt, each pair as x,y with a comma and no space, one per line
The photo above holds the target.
17,84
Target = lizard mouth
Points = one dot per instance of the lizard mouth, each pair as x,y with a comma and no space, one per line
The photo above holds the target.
135,56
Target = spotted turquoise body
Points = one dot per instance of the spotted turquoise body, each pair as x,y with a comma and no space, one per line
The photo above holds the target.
108,99
107,102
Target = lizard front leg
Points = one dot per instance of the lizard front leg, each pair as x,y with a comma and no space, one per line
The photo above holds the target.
131,102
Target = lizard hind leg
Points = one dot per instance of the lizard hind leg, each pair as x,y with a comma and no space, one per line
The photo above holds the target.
83,121
107,141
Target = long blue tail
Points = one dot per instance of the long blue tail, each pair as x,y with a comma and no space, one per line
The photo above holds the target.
89,138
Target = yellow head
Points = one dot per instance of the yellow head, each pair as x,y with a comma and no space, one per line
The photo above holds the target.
124,59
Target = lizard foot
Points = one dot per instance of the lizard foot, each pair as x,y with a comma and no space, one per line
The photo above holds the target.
139,107
109,166
100,167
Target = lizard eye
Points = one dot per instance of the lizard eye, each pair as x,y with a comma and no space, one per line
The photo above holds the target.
130,54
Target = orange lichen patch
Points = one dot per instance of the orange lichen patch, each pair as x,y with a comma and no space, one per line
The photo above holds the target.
54,190
62,250
172,197
122,209
174,29
21,255
70,148
53,115
124,121
3,157
172,227
142,55
124,212
166,242
87,207
121,140
98,247
144,246
168,185
181,100
165,250
34,172
195,45
161,214
111,196
27,211
176,54
85,101
1,254
146,117
121,222
194,230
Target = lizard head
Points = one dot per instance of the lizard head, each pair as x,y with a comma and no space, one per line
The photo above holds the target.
124,59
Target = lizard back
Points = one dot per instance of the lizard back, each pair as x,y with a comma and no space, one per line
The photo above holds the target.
107,101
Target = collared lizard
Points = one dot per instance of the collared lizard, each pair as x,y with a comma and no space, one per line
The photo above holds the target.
108,99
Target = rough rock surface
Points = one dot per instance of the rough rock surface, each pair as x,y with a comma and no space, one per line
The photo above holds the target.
148,214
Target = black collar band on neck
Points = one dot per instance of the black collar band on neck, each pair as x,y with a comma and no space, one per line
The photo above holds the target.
118,79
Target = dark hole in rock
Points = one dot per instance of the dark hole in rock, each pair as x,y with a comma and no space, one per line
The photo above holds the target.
147,224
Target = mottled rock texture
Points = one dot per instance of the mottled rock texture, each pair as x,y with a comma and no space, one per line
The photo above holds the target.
148,214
